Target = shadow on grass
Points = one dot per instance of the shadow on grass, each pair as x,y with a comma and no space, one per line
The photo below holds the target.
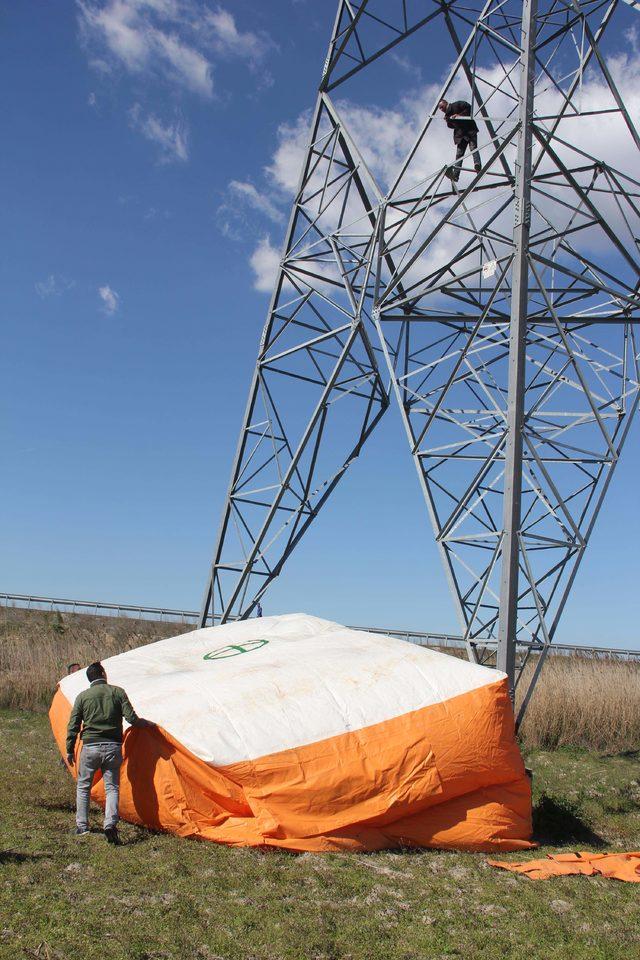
140,836
14,856
561,822
66,806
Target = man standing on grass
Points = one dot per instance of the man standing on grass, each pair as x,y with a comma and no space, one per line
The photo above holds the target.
99,711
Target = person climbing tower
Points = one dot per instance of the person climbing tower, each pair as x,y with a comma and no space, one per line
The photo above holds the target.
465,134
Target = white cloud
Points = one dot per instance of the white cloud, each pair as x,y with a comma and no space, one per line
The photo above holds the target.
172,137
144,36
234,216
286,163
53,286
271,198
227,40
407,66
189,66
110,299
256,199
174,40
265,262
155,213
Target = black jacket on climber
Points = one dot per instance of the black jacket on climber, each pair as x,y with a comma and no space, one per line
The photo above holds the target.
458,117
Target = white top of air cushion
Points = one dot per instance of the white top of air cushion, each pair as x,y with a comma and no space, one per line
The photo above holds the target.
228,697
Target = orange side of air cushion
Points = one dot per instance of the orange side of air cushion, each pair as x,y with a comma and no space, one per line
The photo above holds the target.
448,775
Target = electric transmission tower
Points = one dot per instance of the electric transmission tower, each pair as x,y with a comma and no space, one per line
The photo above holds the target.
499,313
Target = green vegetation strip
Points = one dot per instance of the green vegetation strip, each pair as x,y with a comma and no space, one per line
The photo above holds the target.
162,898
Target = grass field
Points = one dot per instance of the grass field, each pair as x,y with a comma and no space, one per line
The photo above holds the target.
162,898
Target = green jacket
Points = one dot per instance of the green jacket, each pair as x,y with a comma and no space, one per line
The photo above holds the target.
99,710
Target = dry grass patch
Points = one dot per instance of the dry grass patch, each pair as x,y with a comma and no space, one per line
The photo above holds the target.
36,648
587,702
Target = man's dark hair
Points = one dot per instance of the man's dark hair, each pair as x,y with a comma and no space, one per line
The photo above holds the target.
95,671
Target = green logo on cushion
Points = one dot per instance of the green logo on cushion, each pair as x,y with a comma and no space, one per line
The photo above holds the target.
234,650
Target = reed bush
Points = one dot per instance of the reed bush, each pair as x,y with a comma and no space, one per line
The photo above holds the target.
36,648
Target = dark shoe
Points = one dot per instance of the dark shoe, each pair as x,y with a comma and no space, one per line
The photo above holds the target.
477,168
112,836
451,173
80,831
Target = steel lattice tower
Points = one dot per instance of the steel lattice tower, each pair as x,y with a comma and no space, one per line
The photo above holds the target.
499,312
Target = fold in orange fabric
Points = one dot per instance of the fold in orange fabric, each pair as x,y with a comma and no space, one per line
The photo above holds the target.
618,866
447,775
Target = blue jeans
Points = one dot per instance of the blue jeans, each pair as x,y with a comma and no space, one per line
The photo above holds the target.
108,758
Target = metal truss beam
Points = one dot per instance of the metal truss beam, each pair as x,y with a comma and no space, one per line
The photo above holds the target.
498,311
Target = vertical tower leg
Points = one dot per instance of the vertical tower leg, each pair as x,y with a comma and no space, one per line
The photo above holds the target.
507,625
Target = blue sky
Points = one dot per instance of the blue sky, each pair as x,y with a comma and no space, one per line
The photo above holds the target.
150,150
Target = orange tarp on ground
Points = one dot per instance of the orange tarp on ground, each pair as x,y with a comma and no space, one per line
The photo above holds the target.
298,733
619,866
